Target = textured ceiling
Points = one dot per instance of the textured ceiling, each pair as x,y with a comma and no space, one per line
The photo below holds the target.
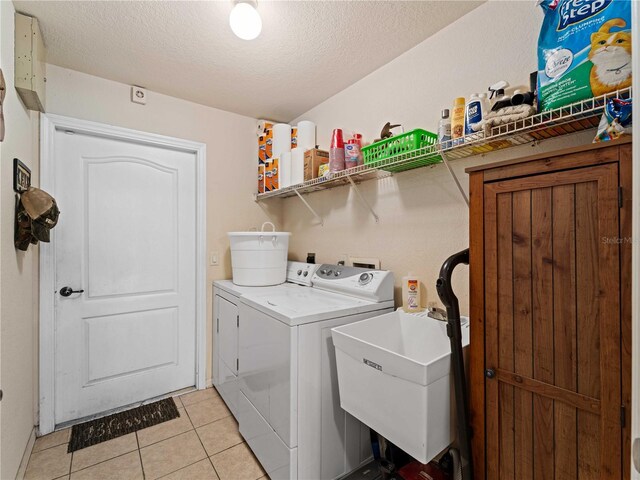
307,52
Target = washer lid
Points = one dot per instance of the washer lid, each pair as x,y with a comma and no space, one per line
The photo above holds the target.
237,290
297,306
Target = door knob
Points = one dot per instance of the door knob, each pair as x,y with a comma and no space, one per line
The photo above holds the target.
490,373
67,291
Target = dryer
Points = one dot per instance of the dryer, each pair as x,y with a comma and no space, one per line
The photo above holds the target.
288,402
226,298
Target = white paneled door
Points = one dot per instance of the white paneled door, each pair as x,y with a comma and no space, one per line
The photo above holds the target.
126,245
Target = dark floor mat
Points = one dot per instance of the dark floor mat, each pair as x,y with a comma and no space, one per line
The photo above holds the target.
114,426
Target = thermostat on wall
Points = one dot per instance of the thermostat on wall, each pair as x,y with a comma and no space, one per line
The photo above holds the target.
138,95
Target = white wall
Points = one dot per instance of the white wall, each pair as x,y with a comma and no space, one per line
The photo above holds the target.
18,276
231,151
423,219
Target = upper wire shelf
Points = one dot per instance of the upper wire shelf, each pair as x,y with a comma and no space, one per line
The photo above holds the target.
569,119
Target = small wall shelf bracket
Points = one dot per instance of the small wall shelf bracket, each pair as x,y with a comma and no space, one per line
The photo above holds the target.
310,208
362,199
453,175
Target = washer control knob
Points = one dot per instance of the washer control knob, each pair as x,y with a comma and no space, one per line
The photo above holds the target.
323,271
329,272
299,272
337,273
305,273
365,278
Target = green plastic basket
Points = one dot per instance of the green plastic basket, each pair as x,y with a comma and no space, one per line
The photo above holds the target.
399,144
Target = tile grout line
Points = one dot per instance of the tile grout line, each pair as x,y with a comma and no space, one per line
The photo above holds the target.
49,448
228,448
182,468
214,468
140,456
174,436
205,450
189,418
167,438
214,394
214,421
100,462
209,457
208,423
197,461
243,442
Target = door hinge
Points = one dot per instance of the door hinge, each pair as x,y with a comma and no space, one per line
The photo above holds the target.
217,325
620,197
238,321
623,416
237,364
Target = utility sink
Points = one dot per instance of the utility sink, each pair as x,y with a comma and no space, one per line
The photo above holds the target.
395,375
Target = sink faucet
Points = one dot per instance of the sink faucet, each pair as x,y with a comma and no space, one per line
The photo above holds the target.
437,314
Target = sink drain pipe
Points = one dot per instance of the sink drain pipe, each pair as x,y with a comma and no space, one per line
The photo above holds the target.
454,332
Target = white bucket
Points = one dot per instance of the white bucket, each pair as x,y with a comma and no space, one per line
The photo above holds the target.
259,259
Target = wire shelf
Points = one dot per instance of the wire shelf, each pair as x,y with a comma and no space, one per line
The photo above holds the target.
569,119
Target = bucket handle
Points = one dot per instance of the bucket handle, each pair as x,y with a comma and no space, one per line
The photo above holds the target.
273,227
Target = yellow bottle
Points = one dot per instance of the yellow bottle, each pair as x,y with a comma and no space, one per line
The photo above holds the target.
457,118
411,294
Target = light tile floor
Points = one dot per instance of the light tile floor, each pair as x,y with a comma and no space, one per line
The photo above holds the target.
202,444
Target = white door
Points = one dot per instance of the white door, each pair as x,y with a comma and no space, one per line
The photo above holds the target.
127,237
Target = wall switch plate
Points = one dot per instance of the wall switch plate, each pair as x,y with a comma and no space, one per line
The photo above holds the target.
214,259
138,95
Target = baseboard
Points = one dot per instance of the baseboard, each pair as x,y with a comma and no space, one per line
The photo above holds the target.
26,455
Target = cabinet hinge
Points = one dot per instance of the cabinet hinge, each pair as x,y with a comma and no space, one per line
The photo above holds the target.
620,197
238,321
623,416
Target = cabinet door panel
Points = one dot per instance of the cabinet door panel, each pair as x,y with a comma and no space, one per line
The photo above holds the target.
565,327
522,327
553,325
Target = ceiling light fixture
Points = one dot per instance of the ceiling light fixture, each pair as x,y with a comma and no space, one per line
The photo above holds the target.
245,20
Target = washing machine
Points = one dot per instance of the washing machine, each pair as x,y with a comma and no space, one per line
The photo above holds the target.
288,405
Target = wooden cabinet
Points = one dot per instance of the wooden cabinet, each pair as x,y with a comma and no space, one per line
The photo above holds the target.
550,311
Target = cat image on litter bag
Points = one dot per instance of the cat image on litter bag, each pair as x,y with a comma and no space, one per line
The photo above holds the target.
584,50
611,57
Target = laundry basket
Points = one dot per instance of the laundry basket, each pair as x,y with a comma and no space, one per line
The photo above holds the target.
259,259
396,146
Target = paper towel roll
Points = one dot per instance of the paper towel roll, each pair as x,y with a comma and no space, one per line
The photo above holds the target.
285,169
281,139
297,165
306,135
262,126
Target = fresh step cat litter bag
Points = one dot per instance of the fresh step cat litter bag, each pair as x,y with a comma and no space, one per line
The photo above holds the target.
584,50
